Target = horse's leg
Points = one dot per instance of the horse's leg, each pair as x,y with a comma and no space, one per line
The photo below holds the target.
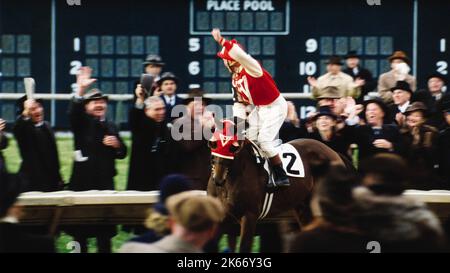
298,217
248,226
303,215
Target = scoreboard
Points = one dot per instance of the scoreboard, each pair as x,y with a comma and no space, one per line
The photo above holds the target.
50,39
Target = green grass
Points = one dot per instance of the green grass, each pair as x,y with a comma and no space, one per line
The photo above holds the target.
65,150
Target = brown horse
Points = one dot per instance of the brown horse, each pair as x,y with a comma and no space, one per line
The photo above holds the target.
241,185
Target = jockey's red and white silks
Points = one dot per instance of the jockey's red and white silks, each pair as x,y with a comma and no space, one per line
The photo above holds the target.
257,91
253,83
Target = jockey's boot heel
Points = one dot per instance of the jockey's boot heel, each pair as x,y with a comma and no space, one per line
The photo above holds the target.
280,177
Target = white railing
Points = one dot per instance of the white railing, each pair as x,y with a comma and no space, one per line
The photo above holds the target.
125,97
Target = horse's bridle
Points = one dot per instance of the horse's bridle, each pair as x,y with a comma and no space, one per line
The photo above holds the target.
225,163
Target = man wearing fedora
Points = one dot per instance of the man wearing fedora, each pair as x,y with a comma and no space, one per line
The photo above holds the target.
190,132
356,71
150,143
153,65
335,77
40,162
97,145
432,97
401,96
168,84
399,72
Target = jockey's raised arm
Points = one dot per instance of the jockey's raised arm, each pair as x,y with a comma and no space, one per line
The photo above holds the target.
250,65
235,51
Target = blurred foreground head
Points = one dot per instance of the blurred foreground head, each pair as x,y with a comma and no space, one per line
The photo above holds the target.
385,174
332,199
195,213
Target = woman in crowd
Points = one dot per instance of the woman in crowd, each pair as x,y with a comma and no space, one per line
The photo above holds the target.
375,136
326,130
420,151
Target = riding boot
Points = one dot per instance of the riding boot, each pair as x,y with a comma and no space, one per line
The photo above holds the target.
280,177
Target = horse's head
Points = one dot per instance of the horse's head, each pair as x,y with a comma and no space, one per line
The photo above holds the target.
224,146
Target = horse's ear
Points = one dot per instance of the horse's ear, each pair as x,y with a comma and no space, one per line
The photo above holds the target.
212,144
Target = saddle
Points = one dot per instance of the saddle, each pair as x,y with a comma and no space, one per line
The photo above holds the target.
292,162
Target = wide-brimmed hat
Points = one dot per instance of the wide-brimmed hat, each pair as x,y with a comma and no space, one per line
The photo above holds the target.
94,94
196,93
379,102
437,75
335,60
20,104
416,106
329,92
167,76
324,111
352,54
402,85
154,60
399,55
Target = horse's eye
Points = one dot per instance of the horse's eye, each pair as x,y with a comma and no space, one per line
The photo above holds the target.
212,144
233,148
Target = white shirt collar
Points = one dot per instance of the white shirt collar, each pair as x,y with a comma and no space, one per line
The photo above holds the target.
9,220
355,70
403,107
170,100
39,124
437,96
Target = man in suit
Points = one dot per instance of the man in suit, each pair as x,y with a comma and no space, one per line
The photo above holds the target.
191,134
355,70
335,77
153,65
168,84
97,146
12,237
432,97
401,96
150,158
399,72
40,163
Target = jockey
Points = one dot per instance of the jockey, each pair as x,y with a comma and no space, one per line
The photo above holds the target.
253,85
